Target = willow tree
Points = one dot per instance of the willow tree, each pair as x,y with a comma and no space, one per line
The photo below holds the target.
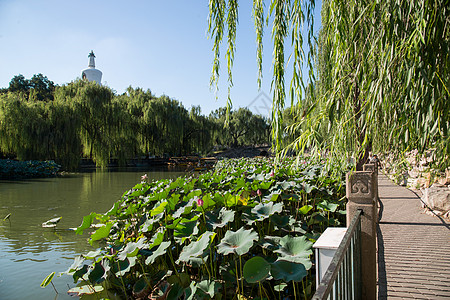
382,71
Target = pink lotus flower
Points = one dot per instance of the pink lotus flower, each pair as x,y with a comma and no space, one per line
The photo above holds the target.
144,177
200,202
259,192
272,174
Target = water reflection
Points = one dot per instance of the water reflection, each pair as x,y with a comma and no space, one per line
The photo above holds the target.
29,252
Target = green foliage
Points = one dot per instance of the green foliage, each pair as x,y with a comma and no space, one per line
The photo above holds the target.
381,82
288,20
11,169
378,82
89,120
202,235
243,127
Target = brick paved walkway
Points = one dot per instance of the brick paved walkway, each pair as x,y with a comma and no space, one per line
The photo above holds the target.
413,247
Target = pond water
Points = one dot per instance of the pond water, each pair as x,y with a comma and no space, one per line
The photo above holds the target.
29,252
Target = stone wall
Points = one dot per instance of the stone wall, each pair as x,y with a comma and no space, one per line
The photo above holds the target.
415,171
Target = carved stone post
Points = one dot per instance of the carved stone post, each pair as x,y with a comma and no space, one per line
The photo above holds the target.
361,196
373,168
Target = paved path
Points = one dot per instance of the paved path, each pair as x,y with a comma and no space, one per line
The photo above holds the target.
413,247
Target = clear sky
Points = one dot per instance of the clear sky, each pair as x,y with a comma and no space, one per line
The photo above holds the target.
158,45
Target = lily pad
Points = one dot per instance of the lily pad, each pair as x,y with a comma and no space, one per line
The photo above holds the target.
158,252
51,223
132,249
256,269
185,230
85,289
295,249
195,249
122,267
219,218
101,233
238,242
270,242
280,287
328,206
208,287
47,280
280,221
288,271
265,210
305,209
97,275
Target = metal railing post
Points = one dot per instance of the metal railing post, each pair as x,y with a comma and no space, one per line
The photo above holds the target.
361,188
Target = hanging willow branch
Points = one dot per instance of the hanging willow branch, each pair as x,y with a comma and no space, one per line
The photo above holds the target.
285,15
379,80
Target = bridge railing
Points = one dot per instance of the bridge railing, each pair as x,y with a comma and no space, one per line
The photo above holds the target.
352,271
342,280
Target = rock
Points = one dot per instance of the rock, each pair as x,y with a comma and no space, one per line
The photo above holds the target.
447,215
437,197
414,173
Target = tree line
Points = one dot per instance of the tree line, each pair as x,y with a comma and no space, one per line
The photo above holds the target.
42,121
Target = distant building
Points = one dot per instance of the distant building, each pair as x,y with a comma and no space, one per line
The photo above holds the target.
91,73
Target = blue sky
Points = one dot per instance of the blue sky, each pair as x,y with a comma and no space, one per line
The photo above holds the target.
156,45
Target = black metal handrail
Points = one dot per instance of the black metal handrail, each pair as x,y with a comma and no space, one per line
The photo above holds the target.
342,280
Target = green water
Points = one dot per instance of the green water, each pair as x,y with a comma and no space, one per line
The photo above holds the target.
28,252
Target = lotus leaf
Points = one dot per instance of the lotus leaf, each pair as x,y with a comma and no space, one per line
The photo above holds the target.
93,254
231,200
80,273
184,209
101,233
159,208
185,230
295,249
97,274
84,289
265,210
189,293
328,206
256,269
208,287
280,287
317,218
132,249
182,279
158,252
224,217
147,225
272,197
238,242
305,209
47,280
78,261
287,271
51,222
157,238
270,242
195,249
173,200
7,217
309,187
122,267
141,287
280,221
176,291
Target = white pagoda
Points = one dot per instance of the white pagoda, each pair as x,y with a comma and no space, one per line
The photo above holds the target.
91,73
